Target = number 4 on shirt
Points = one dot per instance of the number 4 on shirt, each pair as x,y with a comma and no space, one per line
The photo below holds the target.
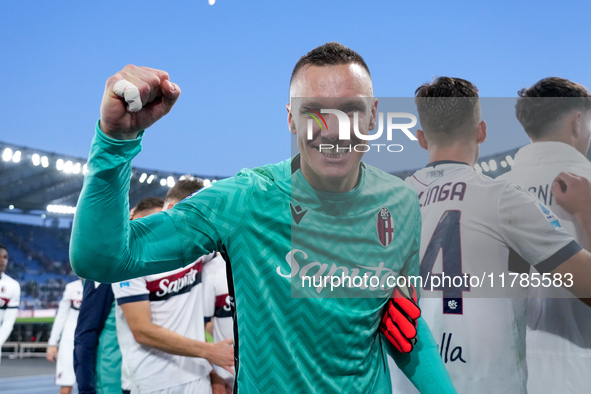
446,238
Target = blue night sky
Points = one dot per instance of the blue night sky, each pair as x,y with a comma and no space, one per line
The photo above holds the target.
233,61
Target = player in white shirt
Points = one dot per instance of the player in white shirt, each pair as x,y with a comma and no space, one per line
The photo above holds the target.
10,299
556,115
216,305
160,326
62,335
472,225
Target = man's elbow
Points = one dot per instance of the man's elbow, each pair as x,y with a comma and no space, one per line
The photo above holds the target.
87,264
141,337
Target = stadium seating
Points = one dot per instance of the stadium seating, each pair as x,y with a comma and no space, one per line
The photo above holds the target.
38,259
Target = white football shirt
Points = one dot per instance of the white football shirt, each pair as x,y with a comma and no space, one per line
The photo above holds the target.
176,303
471,223
66,319
62,333
217,305
558,329
10,299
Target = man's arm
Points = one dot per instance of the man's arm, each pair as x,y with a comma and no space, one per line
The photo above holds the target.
7,324
105,245
423,365
573,193
59,323
139,318
94,310
10,315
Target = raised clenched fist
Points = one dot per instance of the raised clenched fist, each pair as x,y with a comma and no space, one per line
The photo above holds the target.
135,98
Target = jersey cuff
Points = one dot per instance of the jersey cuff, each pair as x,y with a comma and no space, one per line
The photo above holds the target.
134,298
559,257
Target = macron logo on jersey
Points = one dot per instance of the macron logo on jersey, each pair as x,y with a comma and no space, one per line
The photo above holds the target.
297,213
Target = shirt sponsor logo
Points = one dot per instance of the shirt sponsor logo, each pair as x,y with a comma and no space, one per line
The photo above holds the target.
222,306
300,267
435,174
179,283
75,304
124,284
385,226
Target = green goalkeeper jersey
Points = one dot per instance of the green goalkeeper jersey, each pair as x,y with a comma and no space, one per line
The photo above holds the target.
293,335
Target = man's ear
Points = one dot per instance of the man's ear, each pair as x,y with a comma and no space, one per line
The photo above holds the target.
576,123
422,140
290,124
481,136
374,115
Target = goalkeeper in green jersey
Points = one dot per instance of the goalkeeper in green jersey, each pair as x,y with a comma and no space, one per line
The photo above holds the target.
315,214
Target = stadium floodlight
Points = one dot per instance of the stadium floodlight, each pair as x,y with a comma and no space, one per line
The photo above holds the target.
59,164
150,179
84,169
170,181
162,182
36,159
16,157
143,177
509,160
504,164
68,167
65,209
76,168
43,216
492,163
206,182
211,2
484,166
7,154
478,168
11,207
44,162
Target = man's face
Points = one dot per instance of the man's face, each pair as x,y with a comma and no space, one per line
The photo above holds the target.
346,88
3,260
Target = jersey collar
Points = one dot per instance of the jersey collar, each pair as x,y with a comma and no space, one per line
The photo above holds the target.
438,162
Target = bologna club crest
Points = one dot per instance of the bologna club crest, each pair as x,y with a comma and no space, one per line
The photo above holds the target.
385,226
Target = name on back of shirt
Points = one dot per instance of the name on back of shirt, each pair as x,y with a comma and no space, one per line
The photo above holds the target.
447,192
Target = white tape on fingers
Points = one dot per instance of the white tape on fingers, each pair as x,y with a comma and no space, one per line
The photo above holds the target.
130,93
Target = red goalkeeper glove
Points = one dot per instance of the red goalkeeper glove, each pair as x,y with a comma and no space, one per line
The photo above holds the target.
399,322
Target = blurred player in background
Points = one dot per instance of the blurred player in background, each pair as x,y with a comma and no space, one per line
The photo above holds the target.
97,357
160,325
10,299
216,305
283,343
62,336
556,115
472,226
